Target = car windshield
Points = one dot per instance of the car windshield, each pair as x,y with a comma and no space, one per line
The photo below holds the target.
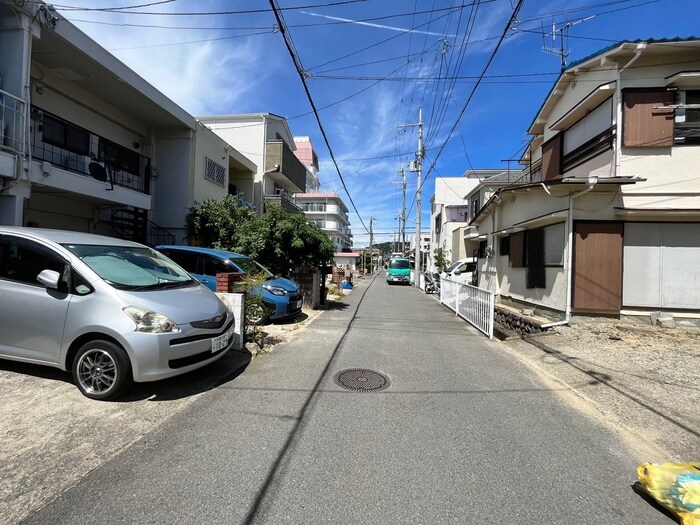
250,267
453,266
132,267
398,264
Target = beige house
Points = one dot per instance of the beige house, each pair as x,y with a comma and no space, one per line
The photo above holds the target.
605,217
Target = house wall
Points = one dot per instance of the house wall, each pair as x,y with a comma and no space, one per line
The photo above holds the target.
84,109
172,190
209,145
56,211
248,135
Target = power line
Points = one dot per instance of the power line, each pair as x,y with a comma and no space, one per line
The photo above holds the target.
126,10
473,91
300,72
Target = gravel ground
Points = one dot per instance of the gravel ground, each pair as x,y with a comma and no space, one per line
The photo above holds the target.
642,378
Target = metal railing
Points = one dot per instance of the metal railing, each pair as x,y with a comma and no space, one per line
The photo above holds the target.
474,305
12,113
100,159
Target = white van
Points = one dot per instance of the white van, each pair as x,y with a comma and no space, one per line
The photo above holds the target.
463,271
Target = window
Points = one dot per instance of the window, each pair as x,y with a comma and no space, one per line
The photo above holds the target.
119,157
482,249
554,245
504,246
212,266
61,134
22,261
314,206
589,137
215,173
646,122
687,125
535,277
475,205
187,260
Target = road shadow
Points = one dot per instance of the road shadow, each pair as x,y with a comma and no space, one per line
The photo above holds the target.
639,490
215,374
192,383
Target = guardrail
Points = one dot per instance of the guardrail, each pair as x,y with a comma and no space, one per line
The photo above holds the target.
474,305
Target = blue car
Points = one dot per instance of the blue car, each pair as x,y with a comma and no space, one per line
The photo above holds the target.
281,297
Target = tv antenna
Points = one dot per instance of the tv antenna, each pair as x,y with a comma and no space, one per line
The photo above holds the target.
562,51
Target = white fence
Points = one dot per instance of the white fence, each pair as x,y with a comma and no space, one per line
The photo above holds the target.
474,305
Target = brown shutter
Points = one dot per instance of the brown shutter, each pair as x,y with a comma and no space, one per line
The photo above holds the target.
535,259
551,158
516,256
646,123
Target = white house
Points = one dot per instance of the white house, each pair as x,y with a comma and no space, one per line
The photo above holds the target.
606,215
88,145
265,139
448,213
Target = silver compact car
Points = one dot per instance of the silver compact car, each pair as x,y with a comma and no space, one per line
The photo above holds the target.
111,311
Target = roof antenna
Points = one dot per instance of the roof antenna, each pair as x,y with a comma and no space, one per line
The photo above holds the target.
563,31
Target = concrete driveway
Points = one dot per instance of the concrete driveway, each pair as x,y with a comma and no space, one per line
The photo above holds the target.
53,436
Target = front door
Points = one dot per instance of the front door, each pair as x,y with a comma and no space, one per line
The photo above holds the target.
597,282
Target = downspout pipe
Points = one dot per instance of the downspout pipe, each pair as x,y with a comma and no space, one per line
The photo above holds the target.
570,247
618,112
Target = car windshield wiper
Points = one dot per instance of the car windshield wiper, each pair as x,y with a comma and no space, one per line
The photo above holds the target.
160,286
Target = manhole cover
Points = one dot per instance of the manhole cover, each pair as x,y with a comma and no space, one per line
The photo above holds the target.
361,380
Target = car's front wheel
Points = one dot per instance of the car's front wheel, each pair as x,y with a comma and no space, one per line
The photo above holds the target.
101,370
255,314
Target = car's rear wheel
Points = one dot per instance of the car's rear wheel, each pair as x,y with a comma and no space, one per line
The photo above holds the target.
255,314
101,370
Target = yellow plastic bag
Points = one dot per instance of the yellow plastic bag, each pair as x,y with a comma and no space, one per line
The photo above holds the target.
676,486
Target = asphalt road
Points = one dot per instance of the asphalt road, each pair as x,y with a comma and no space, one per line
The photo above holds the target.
464,434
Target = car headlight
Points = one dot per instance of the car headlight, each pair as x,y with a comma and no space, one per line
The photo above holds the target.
276,290
150,322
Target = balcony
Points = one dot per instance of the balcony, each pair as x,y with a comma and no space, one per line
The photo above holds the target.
284,200
11,123
75,149
290,173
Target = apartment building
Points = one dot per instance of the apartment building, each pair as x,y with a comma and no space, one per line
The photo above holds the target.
88,145
329,213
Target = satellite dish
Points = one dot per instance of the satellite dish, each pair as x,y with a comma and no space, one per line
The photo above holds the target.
97,171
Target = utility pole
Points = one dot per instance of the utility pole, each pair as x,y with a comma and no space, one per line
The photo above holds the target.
402,224
419,171
371,250
417,166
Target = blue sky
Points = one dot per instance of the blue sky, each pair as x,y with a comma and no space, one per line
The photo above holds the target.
370,66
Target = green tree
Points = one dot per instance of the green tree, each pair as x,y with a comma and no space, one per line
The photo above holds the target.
283,241
439,258
216,223
279,240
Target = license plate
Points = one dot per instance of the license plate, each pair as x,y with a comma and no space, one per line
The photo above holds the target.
295,304
220,342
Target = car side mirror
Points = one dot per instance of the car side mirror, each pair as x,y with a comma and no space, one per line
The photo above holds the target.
49,278
457,272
